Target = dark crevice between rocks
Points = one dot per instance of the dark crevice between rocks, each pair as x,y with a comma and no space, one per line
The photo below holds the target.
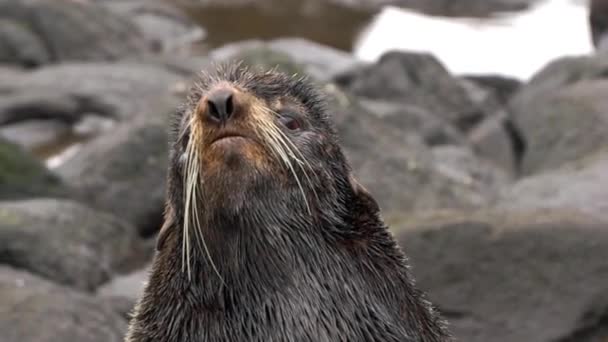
518,142
592,328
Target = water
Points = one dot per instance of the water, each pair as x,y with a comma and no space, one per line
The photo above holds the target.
515,45
316,20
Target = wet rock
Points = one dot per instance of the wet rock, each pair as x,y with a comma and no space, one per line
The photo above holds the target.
294,55
562,124
507,276
122,171
66,242
165,27
22,176
411,177
67,30
416,79
44,312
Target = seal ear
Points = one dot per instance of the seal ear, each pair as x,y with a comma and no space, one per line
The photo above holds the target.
167,226
364,197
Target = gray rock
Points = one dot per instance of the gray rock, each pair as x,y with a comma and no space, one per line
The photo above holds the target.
123,171
462,8
33,134
416,79
18,45
166,27
66,242
118,90
562,124
22,176
581,185
316,60
411,119
38,103
506,276
495,140
598,21
129,286
39,311
68,30
397,167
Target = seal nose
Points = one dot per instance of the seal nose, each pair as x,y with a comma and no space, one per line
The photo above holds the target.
220,105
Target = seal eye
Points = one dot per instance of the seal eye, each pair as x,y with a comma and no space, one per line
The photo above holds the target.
290,122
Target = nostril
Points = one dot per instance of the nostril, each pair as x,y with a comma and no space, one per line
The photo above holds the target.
229,105
220,104
213,111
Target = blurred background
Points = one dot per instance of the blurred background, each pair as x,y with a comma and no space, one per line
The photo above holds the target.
481,126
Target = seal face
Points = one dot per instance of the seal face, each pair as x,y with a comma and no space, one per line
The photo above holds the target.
267,235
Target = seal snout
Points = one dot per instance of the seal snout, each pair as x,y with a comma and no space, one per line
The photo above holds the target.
219,106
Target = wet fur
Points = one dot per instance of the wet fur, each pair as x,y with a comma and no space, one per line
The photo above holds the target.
287,275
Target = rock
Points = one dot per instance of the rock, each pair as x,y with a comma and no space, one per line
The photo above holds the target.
18,45
465,8
598,20
22,176
503,88
38,103
123,171
468,8
39,311
397,167
417,79
66,242
578,185
129,287
507,276
496,140
562,124
166,27
411,119
294,55
59,30
117,90
33,134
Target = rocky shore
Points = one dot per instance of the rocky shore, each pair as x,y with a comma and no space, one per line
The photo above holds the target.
496,190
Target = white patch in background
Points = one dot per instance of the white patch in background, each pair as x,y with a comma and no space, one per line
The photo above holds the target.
516,45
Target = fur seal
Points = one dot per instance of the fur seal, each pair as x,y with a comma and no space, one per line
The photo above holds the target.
267,234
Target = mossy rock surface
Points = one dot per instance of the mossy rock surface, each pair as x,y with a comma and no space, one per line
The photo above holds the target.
22,176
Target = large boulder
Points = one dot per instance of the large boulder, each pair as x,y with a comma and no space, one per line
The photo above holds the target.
22,176
117,90
123,171
579,185
35,310
164,25
296,55
401,171
562,124
416,79
506,276
37,32
66,242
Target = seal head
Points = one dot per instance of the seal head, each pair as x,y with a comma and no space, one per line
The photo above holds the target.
267,234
